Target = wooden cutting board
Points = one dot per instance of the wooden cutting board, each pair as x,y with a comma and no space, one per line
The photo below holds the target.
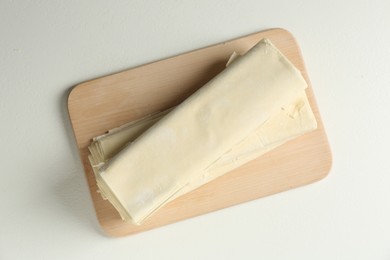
105,103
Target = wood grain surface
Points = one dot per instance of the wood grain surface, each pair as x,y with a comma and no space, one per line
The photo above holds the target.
104,103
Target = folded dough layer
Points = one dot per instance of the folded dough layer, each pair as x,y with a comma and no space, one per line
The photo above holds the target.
231,120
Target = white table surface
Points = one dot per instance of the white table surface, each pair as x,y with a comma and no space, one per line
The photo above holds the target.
46,47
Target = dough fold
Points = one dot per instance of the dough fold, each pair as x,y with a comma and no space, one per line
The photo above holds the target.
256,104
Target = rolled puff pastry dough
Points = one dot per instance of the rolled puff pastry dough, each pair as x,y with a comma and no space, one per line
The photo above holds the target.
179,148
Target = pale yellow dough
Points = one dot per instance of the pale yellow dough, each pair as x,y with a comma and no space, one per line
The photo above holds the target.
256,104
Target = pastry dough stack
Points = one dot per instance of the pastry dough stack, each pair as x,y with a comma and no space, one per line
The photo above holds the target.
256,104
